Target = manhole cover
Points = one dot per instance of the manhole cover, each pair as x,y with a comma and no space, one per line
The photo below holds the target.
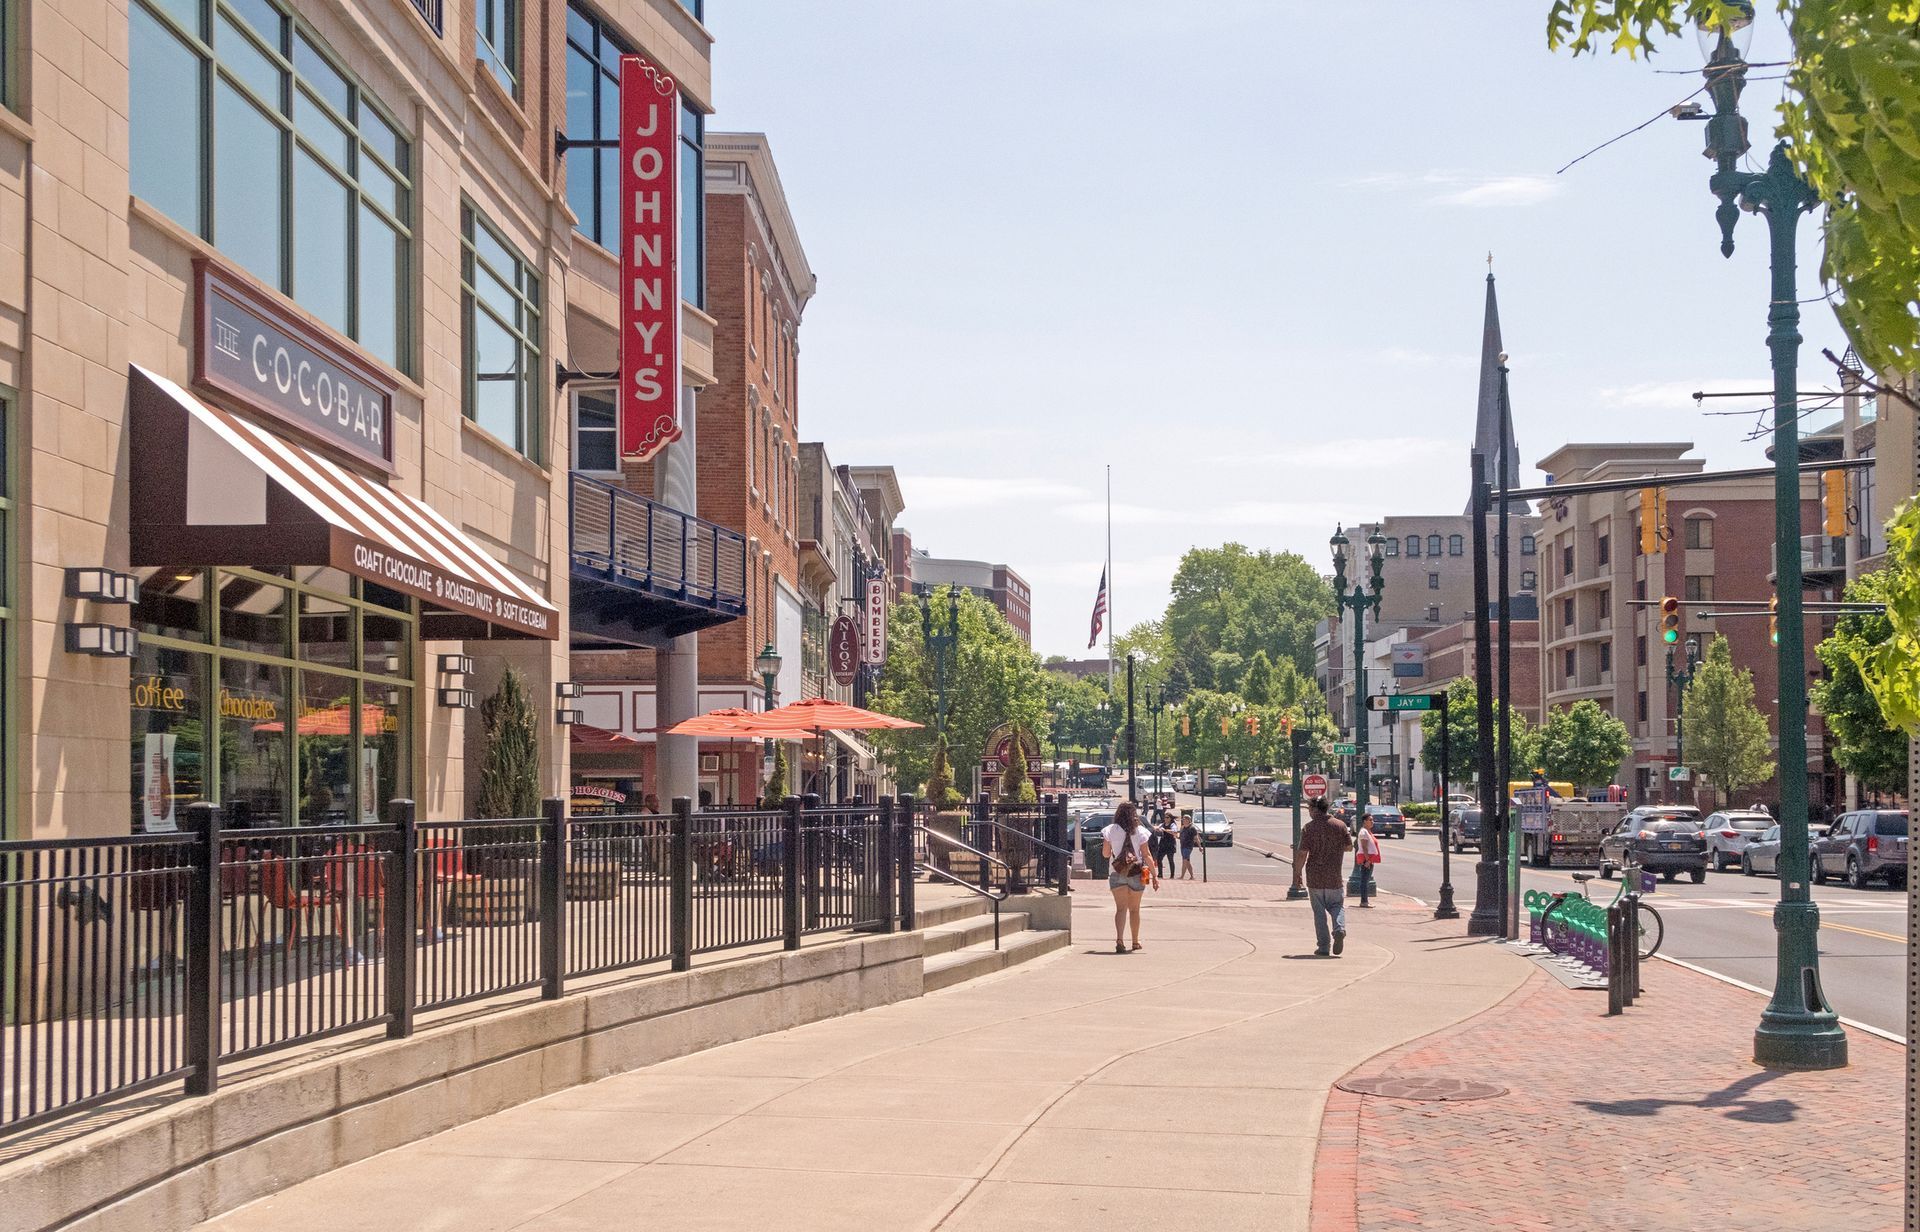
1428,1089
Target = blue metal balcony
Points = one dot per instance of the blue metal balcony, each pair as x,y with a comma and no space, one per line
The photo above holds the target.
644,572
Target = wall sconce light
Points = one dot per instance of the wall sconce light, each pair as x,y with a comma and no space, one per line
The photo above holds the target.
566,688
567,718
102,641
456,665
100,585
392,665
456,699
393,697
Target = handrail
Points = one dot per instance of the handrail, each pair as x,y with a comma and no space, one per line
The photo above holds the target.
954,842
1032,838
968,886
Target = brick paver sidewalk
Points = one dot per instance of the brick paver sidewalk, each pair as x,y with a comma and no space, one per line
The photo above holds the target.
1657,1119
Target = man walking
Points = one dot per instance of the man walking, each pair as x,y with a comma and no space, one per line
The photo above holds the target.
1325,842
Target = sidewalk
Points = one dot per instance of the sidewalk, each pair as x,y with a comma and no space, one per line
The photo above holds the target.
1182,1084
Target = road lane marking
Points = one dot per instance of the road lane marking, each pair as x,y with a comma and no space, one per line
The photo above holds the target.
1845,928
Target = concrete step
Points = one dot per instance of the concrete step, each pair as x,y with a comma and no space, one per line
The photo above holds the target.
953,911
947,938
958,966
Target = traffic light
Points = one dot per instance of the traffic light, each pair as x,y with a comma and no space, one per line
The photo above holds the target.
1226,725
1649,521
1670,620
1253,725
1286,725
1186,725
1833,501
1773,620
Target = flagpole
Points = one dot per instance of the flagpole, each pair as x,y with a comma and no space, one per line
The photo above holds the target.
1109,577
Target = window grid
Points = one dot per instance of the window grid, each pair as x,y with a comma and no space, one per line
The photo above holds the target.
496,28
519,317
378,182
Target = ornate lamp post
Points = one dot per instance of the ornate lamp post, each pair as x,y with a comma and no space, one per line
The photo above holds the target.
1358,601
767,663
941,631
1680,678
1798,1030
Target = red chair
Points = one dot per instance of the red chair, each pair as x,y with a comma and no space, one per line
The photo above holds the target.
442,867
278,888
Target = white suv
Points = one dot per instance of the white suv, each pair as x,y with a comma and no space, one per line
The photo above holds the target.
1730,832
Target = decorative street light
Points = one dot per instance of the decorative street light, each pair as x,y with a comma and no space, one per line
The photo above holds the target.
1680,678
767,663
942,633
1358,601
1798,1030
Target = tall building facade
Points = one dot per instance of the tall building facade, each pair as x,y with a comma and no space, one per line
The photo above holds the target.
997,584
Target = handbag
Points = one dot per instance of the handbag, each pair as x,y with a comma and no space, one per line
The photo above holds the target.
1125,862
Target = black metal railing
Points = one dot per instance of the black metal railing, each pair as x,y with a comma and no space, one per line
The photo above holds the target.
631,540
133,963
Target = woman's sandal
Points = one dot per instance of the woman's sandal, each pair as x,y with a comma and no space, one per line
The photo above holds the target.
1119,947
1136,945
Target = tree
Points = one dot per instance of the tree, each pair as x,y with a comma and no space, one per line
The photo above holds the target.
1229,603
510,760
1463,736
1850,118
777,789
1891,668
1015,786
940,790
1257,686
994,678
1078,723
1583,744
1864,744
1726,734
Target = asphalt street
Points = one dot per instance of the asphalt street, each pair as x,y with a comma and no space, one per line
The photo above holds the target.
1724,926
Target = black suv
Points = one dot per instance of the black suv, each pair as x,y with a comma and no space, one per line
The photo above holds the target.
1668,843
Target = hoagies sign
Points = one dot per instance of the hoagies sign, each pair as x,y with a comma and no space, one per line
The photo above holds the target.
649,258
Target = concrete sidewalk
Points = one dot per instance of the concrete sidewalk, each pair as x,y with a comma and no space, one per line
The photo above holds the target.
1183,1083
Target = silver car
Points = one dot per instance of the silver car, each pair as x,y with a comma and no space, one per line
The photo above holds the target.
1728,833
1762,855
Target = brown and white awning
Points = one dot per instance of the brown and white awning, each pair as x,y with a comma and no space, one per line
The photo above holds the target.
210,488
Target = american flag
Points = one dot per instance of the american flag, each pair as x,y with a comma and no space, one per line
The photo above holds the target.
1099,611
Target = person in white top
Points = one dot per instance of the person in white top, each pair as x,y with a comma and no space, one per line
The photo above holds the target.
1130,866
1366,855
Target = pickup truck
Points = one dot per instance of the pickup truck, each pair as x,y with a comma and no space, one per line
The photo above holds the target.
1569,834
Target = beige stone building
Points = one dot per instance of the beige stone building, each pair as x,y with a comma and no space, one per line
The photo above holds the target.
284,290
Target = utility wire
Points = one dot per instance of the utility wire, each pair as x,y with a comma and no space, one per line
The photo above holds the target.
1636,128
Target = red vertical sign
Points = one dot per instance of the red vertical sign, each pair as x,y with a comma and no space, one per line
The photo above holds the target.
649,258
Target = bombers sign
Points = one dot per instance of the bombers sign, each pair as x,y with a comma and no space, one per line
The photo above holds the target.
649,258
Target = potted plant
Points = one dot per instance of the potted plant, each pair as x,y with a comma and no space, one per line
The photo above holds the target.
507,889
950,810
1016,833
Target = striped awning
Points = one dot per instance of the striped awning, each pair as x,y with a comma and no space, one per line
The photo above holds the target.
210,488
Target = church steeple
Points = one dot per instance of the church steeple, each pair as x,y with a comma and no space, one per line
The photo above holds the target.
1488,428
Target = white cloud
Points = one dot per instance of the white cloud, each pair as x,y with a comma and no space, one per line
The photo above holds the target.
1349,454
938,493
1503,190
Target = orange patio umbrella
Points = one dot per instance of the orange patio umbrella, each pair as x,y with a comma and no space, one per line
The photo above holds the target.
822,714
332,721
733,723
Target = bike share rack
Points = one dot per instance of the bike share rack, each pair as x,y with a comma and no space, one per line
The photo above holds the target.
1596,941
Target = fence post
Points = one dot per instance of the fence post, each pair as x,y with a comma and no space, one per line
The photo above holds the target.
1631,929
403,895
790,880
1057,836
203,950
680,919
904,812
983,835
886,848
553,899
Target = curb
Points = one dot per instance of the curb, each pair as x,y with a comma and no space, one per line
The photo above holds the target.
1889,1036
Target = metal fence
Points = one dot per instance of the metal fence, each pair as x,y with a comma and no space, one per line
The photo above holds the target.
135,963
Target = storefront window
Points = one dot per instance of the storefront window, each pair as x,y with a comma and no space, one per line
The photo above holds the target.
308,186
309,731
501,303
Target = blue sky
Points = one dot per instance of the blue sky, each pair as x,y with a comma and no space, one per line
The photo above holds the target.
1238,251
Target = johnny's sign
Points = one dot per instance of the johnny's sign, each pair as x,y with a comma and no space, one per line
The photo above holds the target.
649,397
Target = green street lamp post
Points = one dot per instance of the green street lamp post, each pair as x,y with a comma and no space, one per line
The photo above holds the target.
1798,1030
1680,678
767,663
1358,601
941,630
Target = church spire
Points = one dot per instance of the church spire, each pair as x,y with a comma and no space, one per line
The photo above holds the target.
1488,428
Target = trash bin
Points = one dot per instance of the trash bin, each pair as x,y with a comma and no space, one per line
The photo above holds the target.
1096,855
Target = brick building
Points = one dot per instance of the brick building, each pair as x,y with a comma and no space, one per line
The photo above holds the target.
997,584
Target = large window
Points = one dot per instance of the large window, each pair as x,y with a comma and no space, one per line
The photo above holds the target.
500,318
246,132
596,444
1527,545
1433,545
1699,532
1699,588
284,696
1413,545
593,171
496,29
1457,545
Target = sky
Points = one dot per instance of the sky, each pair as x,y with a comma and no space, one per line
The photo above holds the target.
1237,251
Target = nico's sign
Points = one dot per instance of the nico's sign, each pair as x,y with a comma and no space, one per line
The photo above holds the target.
649,258
252,351
874,643
843,650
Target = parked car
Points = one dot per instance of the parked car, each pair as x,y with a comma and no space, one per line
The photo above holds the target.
1155,785
1463,825
1279,794
1862,846
1216,784
1762,854
1342,810
1215,829
1728,833
1186,782
1388,820
1253,788
1667,845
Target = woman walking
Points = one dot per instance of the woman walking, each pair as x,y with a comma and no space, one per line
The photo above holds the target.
1188,837
1163,844
1366,855
1130,870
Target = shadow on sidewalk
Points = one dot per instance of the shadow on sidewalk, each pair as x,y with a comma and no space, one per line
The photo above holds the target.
1732,1098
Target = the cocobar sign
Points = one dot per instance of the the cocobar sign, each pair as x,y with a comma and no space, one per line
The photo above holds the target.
250,349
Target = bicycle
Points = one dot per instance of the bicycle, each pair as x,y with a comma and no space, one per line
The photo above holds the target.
1652,928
